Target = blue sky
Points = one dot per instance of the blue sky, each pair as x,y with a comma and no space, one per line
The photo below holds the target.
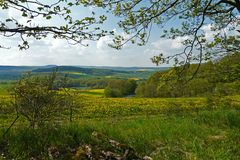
56,51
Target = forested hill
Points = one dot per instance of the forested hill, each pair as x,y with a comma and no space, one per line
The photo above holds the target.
80,70
220,77
14,72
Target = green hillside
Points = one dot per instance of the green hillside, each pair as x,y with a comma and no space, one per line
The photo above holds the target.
220,77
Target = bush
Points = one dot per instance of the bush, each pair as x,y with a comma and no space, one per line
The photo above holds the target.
120,88
37,98
109,92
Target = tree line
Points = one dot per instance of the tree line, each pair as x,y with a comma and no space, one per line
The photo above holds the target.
219,77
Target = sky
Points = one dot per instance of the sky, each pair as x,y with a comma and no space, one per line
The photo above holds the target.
51,51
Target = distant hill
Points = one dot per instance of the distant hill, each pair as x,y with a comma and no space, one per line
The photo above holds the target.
16,68
80,70
15,72
129,68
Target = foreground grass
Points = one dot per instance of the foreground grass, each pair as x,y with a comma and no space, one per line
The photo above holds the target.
202,134
167,128
190,135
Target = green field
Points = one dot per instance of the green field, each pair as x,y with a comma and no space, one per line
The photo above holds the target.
162,128
88,125
4,88
92,92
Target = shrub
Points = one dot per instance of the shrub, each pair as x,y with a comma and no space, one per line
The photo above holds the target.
37,98
109,92
120,88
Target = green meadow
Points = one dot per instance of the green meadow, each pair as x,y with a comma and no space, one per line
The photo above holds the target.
161,128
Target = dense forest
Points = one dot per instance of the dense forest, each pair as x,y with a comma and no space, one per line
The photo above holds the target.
219,77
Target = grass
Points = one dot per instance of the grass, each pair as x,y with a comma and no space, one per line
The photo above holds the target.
167,128
184,136
93,107
193,135
4,88
92,92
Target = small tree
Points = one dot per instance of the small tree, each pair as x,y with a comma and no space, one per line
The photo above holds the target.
120,88
112,92
37,98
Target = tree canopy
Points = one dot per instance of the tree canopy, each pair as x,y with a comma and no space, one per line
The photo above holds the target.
47,13
221,16
136,18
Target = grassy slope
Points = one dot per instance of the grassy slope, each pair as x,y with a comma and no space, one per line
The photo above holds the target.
190,135
166,128
202,135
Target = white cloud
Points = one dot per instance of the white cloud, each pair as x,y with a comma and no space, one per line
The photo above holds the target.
59,52
103,42
166,46
209,34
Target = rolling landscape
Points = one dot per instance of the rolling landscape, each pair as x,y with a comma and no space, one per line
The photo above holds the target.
120,80
15,72
152,122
